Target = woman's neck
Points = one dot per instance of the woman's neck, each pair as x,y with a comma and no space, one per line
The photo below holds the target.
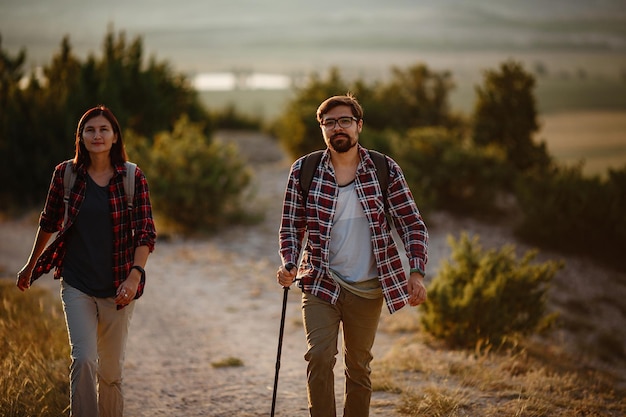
100,164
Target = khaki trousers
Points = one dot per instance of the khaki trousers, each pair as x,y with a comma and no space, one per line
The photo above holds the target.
359,318
97,333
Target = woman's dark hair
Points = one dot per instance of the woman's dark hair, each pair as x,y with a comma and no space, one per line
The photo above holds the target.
335,101
118,152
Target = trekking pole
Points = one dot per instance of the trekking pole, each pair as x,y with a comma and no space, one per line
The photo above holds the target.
288,266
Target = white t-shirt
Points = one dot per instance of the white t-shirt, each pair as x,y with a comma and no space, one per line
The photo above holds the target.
351,253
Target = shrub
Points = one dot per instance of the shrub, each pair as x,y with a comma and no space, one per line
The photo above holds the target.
229,362
445,172
194,183
230,118
380,140
567,211
487,297
412,97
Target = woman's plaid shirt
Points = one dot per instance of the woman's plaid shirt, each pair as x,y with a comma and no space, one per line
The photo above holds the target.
129,231
317,219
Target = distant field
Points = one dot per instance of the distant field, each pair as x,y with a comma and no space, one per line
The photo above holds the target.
556,94
596,137
265,104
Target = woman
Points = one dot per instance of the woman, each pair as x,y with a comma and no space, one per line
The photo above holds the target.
99,255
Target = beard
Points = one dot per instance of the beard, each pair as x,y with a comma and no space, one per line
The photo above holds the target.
342,143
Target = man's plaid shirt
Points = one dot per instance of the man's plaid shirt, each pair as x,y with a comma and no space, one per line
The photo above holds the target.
317,219
129,231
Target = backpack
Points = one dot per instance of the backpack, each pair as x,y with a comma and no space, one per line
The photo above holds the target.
312,160
69,177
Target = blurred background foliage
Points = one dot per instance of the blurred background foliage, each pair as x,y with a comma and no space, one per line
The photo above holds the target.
195,183
167,129
487,164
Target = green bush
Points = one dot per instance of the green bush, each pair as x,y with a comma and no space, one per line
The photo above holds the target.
446,172
230,118
380,140
194,183
487,297
564,210
412,97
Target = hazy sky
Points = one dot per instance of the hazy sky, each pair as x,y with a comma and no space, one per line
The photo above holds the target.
292,35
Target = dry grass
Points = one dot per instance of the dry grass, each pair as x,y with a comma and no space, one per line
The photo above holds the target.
35,354
434,401
537,379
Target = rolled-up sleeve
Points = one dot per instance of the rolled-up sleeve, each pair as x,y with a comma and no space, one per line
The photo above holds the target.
51,218
408,220
293,221
143,222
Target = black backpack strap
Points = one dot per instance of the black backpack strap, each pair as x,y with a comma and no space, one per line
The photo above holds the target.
382,172
307,170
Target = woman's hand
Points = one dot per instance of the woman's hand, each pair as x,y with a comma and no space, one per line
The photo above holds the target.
23,277
128,289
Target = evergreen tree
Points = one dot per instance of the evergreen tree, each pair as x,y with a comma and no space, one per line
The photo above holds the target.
38,118
505,114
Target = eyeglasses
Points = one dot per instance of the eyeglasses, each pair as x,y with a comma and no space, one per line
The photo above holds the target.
343,122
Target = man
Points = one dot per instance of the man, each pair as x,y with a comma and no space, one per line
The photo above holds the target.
350,261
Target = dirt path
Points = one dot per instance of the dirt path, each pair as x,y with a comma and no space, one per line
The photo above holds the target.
214,299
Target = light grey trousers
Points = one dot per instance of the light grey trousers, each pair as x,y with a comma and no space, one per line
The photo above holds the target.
97,333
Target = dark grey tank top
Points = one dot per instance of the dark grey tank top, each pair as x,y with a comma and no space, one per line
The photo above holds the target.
87,265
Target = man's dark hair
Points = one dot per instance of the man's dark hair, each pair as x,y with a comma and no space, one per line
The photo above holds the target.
332,102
